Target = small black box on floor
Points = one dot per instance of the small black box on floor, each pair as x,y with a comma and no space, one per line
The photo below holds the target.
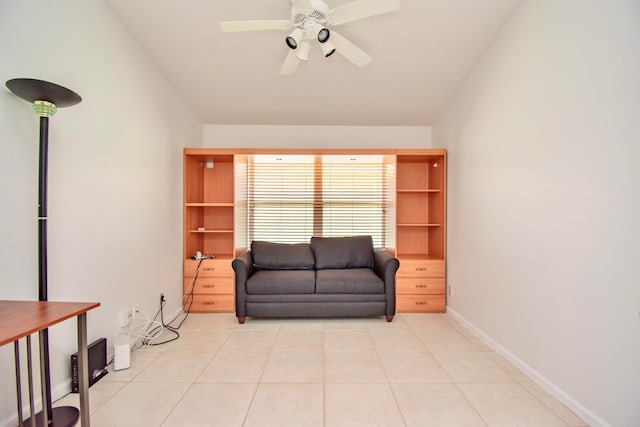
97,355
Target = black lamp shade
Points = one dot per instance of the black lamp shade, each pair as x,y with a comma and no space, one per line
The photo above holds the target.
33,90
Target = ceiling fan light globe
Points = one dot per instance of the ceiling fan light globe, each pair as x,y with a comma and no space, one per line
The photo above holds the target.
293,39
323,35
328,49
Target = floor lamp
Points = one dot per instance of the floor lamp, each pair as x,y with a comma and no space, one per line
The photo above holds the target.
45,97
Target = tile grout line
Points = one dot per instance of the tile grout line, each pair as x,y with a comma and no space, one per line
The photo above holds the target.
259,382
386,375
324,382
470,403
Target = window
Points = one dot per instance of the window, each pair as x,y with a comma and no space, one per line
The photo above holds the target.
293,197
281,198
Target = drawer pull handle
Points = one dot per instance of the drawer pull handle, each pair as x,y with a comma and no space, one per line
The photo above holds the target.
209,269
208,286
421,303
421,268
209,303
422,286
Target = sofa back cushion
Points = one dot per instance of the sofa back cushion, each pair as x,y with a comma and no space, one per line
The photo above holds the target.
282,256
343,252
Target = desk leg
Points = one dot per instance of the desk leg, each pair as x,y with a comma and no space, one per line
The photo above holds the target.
44,378
83,365
16,357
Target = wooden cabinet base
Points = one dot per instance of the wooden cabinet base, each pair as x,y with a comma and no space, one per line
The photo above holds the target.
210,304
420,303
213,289
420,285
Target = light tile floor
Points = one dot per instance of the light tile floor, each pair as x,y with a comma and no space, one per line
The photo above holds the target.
420,370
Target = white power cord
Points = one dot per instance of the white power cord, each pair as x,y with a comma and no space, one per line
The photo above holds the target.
142,329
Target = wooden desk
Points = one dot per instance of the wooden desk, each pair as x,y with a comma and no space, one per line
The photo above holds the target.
19,319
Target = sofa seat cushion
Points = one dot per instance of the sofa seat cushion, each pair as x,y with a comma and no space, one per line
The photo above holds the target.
348,281
282,282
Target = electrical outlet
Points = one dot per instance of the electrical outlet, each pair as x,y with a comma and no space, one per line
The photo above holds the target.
126,316
132,312
449,288
123,318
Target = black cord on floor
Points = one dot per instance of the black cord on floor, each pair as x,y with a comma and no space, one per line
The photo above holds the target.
167,326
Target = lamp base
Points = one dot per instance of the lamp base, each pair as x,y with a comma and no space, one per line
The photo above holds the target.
63,416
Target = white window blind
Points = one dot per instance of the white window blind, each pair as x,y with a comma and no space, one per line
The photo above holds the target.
293,197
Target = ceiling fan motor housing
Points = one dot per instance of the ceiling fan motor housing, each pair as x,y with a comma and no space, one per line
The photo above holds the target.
313,23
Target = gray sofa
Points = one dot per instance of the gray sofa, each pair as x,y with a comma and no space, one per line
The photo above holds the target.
328,277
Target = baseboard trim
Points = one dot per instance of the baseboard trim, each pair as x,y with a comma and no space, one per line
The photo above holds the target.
587,415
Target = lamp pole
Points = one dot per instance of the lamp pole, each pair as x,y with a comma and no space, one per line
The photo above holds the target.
45,97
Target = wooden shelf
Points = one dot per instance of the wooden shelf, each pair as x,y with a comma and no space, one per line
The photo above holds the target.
218,257
419,257
416,190
418,225
210,231
209,205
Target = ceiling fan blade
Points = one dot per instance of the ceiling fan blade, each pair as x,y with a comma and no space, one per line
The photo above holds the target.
349,50
360,9
271,24
320,5
290,64
301,4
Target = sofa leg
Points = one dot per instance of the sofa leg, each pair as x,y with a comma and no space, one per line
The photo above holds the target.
241,320
389,318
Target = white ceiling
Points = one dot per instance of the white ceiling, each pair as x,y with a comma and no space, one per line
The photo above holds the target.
421,54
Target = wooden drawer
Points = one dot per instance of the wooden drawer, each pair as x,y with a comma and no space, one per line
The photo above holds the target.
210,285
421,268
420,285
211,303
209,268
420,303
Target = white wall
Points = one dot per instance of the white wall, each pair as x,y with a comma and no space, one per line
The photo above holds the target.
263,136
115,173
544,195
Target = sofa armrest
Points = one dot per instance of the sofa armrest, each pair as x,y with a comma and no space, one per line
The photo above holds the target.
243,268
385,266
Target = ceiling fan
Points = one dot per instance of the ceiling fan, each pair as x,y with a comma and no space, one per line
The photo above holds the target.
313,20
